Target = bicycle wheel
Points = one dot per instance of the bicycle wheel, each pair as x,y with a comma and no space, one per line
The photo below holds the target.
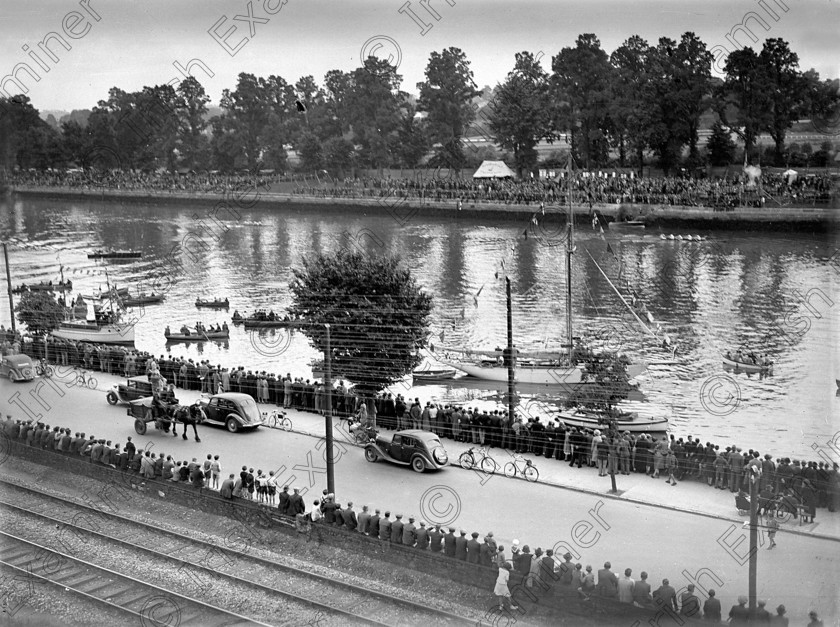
286,424
489,465
531,473
272,421
466,460
360,437
510,469
48,371
92,383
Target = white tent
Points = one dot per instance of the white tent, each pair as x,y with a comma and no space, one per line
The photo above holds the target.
493,170
790,175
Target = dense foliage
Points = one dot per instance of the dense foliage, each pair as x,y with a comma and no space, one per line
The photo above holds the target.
643,100
378,316
39,311
605,378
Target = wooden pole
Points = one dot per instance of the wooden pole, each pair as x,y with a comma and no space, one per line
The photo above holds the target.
9,283
753,539
328,418
511,353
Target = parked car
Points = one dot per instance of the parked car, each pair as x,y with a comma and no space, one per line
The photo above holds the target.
233,410
420,449
17,367
131,390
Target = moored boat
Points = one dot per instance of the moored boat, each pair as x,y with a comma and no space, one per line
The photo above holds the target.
213,304
627,225
115,254
746,366
121,293
252,323
142,299
96,332
61,286
536,368
624,421
434,374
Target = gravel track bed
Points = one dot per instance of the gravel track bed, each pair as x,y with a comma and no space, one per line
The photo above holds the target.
334,562
181,579
237,566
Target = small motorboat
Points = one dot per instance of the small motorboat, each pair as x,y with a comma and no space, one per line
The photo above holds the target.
746,366
624,421
115,254
196,336
434,374
213,304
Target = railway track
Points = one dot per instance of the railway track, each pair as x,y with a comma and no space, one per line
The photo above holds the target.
142,601
326,595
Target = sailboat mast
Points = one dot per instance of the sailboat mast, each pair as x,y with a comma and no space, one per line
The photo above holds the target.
9,282
569,246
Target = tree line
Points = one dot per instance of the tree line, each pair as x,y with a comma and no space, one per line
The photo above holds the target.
639,104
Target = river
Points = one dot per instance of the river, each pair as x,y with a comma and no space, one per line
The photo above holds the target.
773,292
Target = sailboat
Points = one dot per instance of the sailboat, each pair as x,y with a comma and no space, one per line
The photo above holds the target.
106,328
547,368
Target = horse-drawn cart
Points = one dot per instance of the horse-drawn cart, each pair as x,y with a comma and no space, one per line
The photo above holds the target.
165,416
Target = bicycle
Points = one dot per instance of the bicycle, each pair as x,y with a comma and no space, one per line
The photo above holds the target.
84,379
43,369
470,459
278,420
363,435
522,466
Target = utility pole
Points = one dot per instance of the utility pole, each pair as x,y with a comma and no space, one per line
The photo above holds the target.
9,283
753,537
328,418
511,361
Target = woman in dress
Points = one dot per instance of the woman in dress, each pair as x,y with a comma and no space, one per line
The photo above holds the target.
501,590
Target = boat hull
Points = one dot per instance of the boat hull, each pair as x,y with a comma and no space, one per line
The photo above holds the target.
555,375
198,338
265,324
633,225
108,334
434,375
134,302
212,305
116,255
635,425
744,367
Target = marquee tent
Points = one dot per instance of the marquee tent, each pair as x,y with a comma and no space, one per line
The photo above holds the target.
493,170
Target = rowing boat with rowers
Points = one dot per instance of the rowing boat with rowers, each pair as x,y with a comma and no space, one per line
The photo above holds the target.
213,304
196,336
746,366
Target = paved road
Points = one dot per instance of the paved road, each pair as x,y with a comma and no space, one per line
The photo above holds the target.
801,572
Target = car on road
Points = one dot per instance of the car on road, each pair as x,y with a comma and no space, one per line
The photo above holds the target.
422,450
233,410
131,390
17,367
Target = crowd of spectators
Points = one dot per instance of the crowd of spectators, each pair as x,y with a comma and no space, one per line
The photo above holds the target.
791,487
770,190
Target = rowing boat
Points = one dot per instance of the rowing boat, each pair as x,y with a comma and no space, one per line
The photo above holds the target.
438,374
629,224
115,254
746,366
624,422
198,336
213,304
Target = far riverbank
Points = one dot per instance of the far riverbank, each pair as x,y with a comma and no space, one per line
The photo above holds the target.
665,217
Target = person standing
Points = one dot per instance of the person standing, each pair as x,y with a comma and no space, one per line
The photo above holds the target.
779,620
671,467
711,609
689,603
626,586
641,592
739,615
501,589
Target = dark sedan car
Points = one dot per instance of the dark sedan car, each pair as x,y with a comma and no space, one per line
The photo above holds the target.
131,390
233,410
413,447
17,367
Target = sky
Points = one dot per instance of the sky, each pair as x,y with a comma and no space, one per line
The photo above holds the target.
133,44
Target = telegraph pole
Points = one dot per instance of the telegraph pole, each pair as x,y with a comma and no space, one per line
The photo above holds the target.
9,283
511,361
328,417
753,538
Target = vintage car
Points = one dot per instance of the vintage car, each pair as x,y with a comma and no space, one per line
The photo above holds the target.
131,390
17,367
233,410
420,449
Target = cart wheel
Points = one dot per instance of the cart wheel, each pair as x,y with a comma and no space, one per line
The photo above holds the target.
140,427
111,398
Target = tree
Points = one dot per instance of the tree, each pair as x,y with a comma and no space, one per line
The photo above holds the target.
378,315
720,146
192,111
520,112
788,94
447,95
605,378
743,99
582,78
311,152
629,109
25,139
338,153
412,140
39,311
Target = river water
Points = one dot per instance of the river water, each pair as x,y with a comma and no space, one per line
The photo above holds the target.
773,292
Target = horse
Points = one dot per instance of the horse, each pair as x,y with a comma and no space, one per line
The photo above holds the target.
188,415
